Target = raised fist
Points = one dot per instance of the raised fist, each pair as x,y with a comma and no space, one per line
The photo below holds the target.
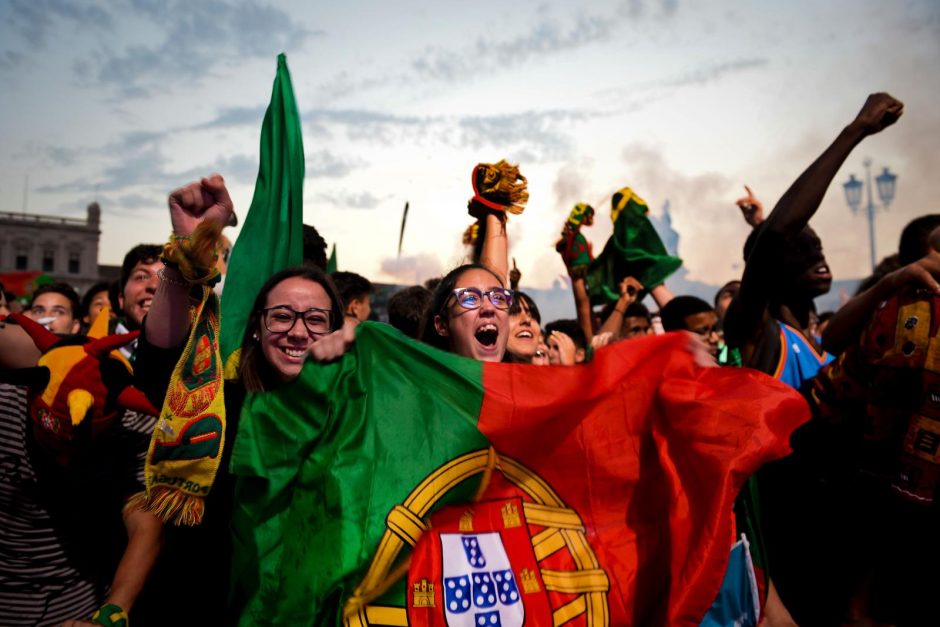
207,199
879,112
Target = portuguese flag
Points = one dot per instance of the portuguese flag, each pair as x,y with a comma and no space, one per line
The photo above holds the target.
634,249
402,485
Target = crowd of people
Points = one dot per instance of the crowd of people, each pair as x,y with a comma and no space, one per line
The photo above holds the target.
846,525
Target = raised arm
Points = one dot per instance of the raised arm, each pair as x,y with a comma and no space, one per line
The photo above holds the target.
792,214
495,255
800,202
202,201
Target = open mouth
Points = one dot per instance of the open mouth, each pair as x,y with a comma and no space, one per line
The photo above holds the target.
524,335
487,335
823,272
294,353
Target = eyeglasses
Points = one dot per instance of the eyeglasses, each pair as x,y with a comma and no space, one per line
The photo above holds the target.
282,319
472,298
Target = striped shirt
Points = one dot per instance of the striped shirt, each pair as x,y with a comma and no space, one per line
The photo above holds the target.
46,576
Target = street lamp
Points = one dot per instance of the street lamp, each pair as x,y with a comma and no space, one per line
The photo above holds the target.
886,182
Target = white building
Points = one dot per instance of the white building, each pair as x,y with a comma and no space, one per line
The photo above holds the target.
64,248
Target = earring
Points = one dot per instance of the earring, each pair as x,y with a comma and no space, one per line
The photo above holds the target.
256,337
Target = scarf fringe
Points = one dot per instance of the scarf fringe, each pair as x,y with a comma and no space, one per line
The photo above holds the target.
170,506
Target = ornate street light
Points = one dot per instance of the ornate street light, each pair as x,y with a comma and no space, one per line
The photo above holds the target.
886,182
853,192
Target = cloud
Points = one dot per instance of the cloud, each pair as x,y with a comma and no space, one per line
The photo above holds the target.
351,200
135,159
33,20
139,201
637,9
540,132
709,73
193,39
234,116
237,168
10,59
532,135
324,164
569,187
412,269
488,55
546,37
701,206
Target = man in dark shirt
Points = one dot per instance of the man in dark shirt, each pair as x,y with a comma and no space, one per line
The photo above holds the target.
769,322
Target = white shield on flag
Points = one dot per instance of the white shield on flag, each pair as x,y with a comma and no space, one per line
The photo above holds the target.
480,589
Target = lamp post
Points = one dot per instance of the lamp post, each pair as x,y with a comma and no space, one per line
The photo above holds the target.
886,182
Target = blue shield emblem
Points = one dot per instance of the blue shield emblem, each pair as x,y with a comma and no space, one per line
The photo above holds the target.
480,588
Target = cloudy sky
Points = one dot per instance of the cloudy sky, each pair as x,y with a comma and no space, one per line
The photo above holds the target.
122,101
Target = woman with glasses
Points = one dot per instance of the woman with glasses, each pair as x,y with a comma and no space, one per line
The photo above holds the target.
295,316
469,314
294,309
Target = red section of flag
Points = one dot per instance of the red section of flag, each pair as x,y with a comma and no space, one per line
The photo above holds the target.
650,451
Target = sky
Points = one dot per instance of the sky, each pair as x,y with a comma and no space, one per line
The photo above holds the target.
685,102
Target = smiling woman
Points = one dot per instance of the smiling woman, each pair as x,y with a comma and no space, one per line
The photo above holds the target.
524,328
294,315
294,309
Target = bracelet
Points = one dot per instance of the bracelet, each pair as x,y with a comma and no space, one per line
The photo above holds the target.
622,313
171,281
111,615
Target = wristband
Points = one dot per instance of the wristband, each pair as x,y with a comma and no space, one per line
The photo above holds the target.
111,615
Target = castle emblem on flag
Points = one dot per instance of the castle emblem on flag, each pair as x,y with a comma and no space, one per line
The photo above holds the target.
510,515
424,594
466,521
530,584
479,586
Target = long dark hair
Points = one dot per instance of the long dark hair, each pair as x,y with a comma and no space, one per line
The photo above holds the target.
255,371
427,333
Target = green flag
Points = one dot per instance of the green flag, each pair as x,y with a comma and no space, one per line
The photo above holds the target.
331,262
634,249
272,237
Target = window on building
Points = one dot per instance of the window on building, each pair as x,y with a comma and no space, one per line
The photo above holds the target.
22,260
48,260
75,262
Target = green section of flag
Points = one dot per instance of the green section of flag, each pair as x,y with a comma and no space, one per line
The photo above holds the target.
321,462
634,249
331,266
272,236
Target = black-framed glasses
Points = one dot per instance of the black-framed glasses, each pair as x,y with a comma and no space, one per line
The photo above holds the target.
282,319
472,298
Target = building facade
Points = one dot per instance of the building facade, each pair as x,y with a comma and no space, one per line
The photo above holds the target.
64,248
